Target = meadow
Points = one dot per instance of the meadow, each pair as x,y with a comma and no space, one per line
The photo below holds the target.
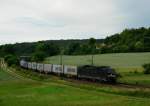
19,88
129,65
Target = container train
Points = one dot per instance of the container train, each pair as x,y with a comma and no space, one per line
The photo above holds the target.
94,73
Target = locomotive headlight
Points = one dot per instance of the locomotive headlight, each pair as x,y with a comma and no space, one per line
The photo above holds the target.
111,75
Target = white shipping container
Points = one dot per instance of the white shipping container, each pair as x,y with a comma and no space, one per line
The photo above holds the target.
70,70
34,65
25,64
40,67
47,68
22,62
57,69
29,65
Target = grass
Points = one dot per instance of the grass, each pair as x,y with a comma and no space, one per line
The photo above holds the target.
55,92
5,76
129,65
136,78
119,60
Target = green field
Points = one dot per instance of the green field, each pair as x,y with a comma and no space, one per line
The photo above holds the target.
18,89
119,60
129,65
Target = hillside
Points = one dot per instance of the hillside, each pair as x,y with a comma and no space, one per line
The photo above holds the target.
52,91
130,40
28,48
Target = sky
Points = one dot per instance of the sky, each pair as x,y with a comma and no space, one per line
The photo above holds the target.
34,20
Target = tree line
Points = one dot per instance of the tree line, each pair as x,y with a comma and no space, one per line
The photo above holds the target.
129,40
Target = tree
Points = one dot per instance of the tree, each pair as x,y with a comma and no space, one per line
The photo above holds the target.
147,40
85,49
92,45
73,49
43,50
92,42
7,49
49,49
38,56
146,68
139,46
11,60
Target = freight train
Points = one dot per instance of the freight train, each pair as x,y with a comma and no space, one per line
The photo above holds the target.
88,72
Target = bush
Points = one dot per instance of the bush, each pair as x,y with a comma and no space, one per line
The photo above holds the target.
38,56
11,60
135,71
146,68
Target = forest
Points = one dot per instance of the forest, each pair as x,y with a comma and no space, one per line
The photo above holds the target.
129,40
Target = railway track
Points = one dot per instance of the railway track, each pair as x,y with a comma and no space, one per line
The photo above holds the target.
118,84
133,85
11,71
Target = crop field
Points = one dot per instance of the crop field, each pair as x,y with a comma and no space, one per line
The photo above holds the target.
129,65
20,89
119,60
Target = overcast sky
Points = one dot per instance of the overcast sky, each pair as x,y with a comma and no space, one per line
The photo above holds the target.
33,20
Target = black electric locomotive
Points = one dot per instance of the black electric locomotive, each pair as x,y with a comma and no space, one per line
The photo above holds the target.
97,73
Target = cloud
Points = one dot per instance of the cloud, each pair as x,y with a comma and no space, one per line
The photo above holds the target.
32,20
